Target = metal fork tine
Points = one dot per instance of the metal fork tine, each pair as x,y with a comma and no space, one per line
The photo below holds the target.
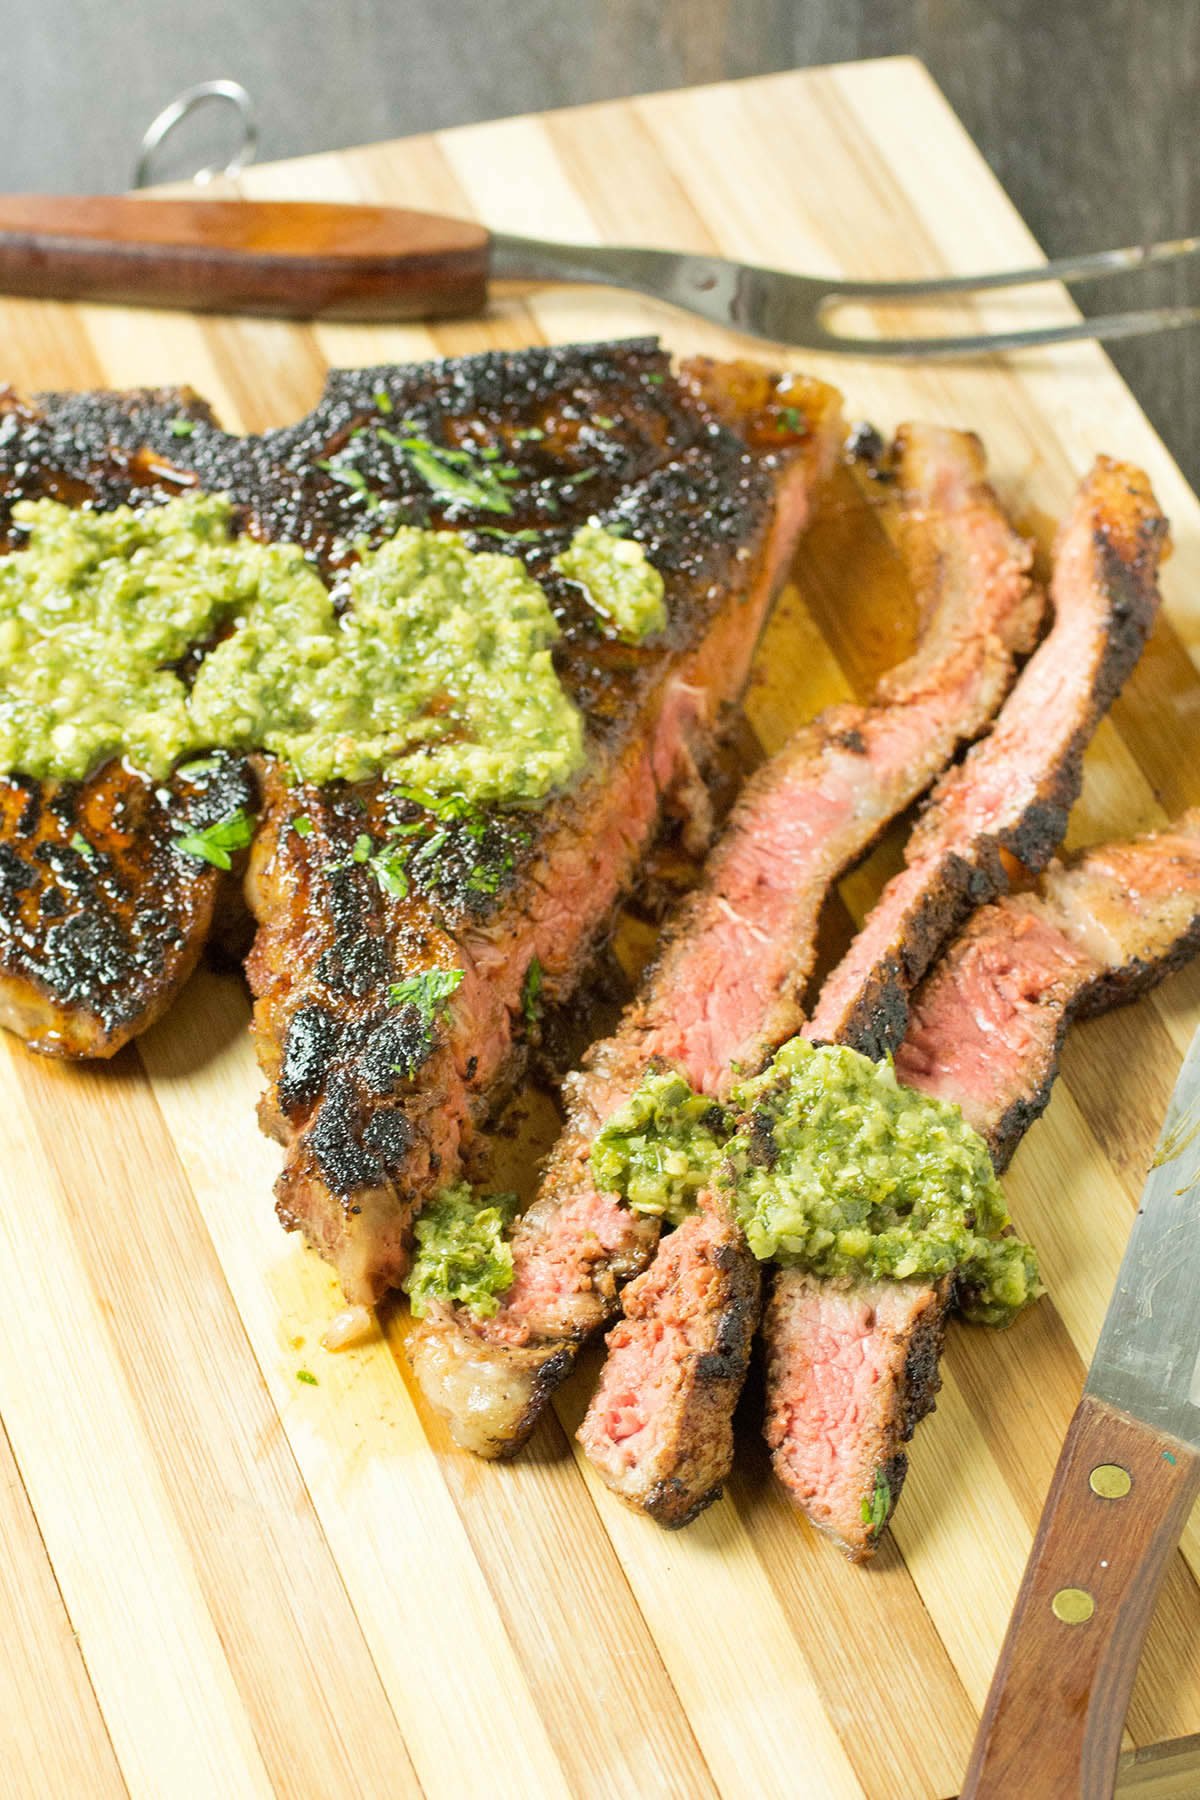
1094,267
1113,325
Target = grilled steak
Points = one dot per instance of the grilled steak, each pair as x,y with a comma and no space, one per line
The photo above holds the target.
1014,790
852,1370
730,978
374,1098
660,1426
905,1343
376,1108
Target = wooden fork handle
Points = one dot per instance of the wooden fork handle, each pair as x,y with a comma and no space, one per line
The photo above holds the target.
1051,1726
297,259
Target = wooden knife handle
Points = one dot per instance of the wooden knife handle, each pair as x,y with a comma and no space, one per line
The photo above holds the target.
298,259
1051,1727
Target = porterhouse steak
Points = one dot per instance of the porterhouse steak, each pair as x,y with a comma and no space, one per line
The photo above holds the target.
102,919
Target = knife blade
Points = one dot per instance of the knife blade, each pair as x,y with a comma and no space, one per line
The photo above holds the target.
1147,1360
1126,1480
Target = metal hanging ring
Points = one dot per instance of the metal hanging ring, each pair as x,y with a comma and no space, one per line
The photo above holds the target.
159,128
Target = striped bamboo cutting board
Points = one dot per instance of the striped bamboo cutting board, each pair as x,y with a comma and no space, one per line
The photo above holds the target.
220,1580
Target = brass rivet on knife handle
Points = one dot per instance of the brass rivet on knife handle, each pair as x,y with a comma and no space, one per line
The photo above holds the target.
1110,1481
1074,1606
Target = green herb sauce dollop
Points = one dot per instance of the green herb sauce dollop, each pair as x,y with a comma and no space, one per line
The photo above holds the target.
619,580
831,1164
438,671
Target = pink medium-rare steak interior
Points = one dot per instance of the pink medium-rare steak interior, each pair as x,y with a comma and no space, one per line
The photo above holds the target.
987,1025
850,1371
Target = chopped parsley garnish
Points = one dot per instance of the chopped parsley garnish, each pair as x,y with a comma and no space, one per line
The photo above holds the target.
877,1504
655,380
790,419
351,478
383,400
182,427
302,825
444,471
199,765
528,536
307,1377
442,806
388,869
486,878
429,992
363,847
531,993
216,844
604,421
430,847
528,434
81,847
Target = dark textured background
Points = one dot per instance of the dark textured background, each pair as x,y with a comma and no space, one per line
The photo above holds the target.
1086,109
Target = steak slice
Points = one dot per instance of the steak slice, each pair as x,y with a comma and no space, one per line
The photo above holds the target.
376,1105
735,961
1099,929
852,1370
1014,790
660,1425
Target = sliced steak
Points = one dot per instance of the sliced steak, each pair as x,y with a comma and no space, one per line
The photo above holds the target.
1014,790
852,1370
660,1426
731,975
374,1105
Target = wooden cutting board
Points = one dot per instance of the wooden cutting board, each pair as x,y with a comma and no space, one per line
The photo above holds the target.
221,1579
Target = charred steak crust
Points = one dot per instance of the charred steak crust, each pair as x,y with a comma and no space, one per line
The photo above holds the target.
103,918
604,431
1013,792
